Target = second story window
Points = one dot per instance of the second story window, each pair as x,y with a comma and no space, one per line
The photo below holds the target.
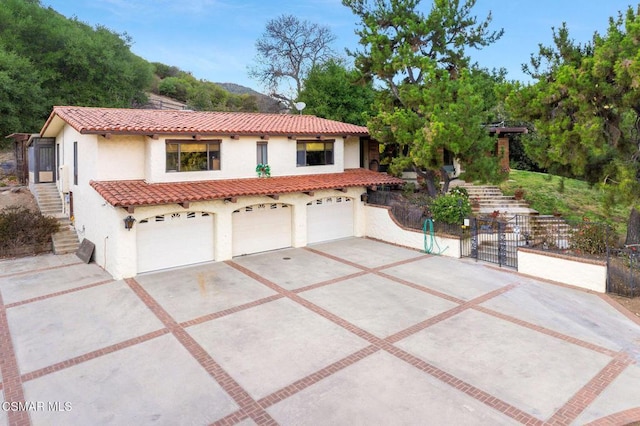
312,153
192,156
261,153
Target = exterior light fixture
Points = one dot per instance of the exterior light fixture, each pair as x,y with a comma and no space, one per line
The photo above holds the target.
128,222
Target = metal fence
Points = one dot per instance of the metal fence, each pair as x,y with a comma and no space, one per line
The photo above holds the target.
491,240
623,271
410,215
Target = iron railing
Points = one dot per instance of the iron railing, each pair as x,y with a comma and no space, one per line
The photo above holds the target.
623,271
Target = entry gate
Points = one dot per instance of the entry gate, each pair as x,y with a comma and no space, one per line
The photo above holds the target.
491,240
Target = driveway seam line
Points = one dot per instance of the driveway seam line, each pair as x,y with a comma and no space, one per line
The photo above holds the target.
71,362
58,293
37,271
385,344
466,388
229,311
590,391
12,388
242,398
547,331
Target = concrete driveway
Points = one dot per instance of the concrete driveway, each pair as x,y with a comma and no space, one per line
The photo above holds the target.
352,332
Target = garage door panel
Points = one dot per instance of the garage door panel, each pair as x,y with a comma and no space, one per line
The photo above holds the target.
261,227
329,218
174,239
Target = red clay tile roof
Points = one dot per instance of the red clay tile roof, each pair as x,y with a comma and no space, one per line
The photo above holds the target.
89,120
139,193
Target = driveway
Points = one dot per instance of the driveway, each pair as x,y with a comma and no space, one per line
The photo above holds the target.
348,332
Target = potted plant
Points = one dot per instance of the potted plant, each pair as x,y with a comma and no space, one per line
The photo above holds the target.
263,170
519,193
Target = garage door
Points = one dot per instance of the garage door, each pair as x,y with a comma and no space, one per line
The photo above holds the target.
261,227
174,239
329,219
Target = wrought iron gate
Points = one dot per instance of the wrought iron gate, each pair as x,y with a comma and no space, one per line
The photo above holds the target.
491,240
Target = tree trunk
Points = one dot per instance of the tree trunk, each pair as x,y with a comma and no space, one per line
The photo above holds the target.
633,228
445,179
429,177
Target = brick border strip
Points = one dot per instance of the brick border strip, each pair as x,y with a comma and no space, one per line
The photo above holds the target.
248,406
37,271
590,391
58,293
385,344
626,417
11,381
547,331
92,355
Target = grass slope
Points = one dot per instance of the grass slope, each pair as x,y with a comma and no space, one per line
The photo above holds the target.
574,199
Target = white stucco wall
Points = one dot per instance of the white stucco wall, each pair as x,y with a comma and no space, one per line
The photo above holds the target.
352,153
380,225
116,248
238,159
120,158
587,275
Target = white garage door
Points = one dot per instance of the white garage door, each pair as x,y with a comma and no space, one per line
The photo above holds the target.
329,219
261,227
174,239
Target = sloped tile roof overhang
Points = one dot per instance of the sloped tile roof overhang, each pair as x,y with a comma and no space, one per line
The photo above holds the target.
89,120
132,193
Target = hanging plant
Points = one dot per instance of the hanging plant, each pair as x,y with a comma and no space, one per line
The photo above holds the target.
263,170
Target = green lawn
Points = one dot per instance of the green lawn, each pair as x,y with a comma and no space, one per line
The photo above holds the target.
574,199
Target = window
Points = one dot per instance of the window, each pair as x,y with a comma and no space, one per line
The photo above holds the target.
75,163
314,153
261,149
193,156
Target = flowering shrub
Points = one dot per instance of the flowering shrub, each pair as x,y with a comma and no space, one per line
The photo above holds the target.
591,238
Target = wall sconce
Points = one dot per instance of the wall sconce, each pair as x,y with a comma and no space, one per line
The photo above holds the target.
128,222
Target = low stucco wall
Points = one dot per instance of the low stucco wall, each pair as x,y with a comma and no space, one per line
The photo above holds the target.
380,224
590,275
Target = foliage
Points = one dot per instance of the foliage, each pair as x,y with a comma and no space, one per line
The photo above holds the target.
585,106
460,192
20,226
287,50
199,95
331,91
591,238
263,170
47,59
450,208
579,200
432,100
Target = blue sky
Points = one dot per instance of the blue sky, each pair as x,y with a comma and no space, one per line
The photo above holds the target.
215,39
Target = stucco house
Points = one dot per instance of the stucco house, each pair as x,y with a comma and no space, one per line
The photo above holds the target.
154,189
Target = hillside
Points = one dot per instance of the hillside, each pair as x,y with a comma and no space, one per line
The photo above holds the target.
47,59
265,103
574,199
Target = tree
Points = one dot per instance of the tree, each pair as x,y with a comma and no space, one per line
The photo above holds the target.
287,51
432,99
585,106
333,92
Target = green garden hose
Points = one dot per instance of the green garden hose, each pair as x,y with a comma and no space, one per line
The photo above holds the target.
431,241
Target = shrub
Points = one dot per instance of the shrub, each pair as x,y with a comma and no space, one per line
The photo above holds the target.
450,208
591,238
458,191
21,227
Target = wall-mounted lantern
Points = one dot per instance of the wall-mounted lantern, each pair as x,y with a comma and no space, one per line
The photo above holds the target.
128,222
